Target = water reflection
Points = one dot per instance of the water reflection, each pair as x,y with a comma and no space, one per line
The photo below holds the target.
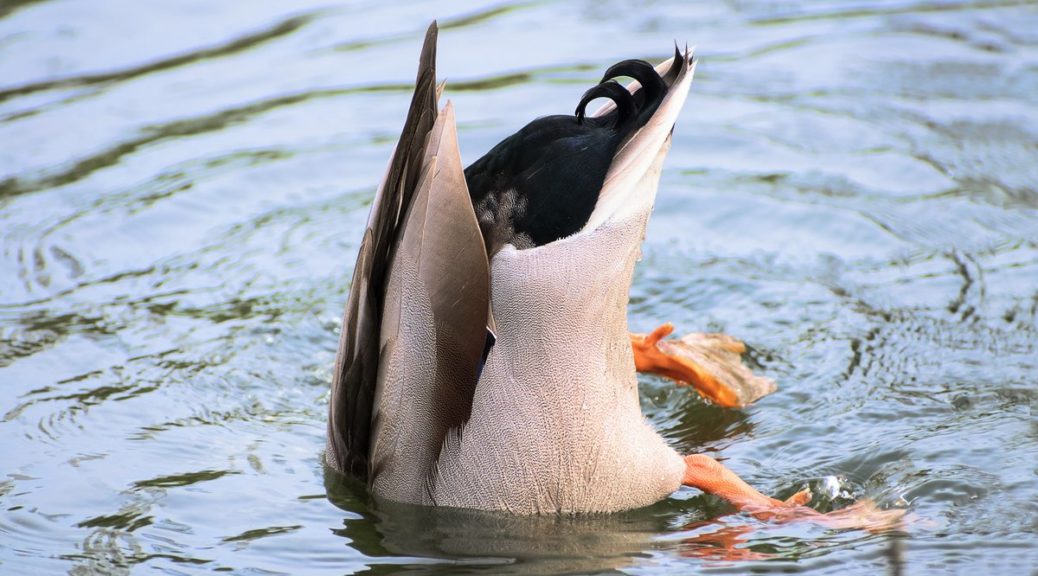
417,539
492,543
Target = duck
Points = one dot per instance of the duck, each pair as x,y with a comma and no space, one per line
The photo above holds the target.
484,360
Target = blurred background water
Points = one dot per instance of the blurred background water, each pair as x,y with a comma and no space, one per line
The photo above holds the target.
852,189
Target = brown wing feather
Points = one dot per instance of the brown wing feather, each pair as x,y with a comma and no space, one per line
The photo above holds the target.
414,331
434,324
356,363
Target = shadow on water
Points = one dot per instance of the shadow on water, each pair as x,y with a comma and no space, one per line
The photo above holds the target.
487,542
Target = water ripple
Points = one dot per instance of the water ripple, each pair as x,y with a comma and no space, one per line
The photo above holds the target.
246,42
850,190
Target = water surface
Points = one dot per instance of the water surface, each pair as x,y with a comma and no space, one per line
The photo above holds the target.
852,189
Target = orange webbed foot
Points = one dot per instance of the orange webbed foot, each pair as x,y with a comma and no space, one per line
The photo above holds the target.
710,363
799,499
863,514
709,475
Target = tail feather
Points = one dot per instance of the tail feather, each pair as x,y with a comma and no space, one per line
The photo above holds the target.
356,364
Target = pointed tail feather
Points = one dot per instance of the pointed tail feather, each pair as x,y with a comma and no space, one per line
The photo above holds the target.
356,364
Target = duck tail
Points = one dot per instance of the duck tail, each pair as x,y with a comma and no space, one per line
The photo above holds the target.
356,363
632,110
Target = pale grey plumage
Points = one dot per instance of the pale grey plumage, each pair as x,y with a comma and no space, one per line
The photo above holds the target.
554,423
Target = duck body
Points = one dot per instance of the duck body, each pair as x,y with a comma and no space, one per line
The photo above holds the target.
485,361
532,248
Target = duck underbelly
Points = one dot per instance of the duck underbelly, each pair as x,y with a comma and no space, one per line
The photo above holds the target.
524,458
556,422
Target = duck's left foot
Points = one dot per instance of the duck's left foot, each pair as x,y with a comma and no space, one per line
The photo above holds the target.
709,475
710,363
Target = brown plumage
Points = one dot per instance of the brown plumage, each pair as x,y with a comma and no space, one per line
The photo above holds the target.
552,423
356,363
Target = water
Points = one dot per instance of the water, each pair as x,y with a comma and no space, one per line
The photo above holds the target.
853,189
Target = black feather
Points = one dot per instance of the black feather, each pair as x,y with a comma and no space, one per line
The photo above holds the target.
542,183
625,105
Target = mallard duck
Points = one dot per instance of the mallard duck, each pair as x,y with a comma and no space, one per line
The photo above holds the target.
485,360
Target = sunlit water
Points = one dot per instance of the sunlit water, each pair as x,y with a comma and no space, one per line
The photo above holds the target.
853,189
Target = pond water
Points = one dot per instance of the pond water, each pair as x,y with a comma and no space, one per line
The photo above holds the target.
852,189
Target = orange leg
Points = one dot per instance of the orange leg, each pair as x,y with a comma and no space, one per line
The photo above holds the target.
710,363
709,475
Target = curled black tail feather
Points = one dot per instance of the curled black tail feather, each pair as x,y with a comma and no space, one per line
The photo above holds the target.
653,88
632,110
625,106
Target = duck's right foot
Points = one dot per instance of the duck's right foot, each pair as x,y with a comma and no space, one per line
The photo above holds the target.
710,363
